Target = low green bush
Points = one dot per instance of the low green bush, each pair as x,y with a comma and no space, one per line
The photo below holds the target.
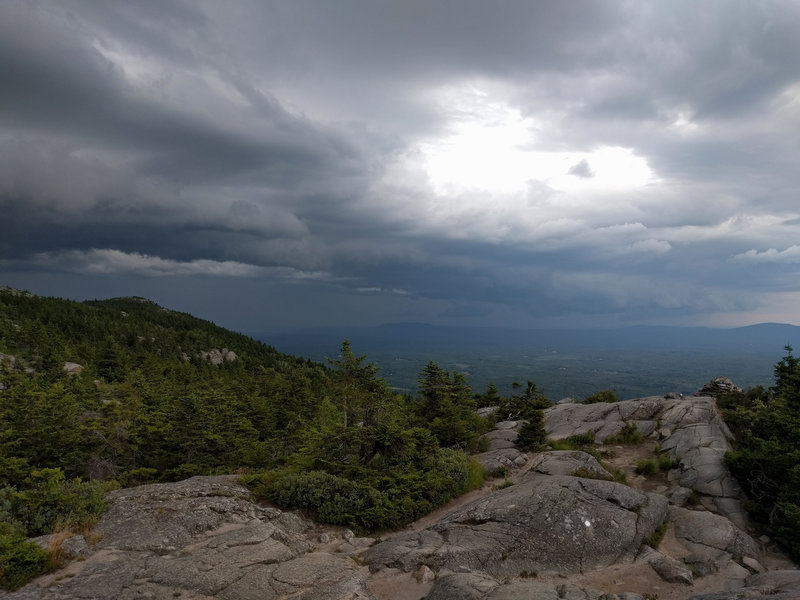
20,560
376,501
582,439
601,396
786,524
646,467
585,473
49,500
330,498
665,463
574,442
619,475
655,539
629,435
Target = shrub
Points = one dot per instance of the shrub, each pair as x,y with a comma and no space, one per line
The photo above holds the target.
330,498
601,396
646,467
501,471
562,444
582,439
476,478
786,524
619,475
50,500
501,486
629,435
573,442
138,476
665,462
655,539
585,473
376,500
20,560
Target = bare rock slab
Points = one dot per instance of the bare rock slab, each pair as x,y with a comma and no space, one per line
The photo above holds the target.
198,539
478,586
549,525
570,462
713,540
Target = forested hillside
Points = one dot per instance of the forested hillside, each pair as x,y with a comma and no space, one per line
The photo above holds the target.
120,392
146,402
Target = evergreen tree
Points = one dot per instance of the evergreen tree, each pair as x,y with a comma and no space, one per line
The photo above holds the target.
361,394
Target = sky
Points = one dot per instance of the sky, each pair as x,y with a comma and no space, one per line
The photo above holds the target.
284,165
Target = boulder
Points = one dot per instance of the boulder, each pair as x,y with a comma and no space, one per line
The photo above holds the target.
669,569
570,462
500,439
544,524
494,460
712,540
462,586
72,547
8,362
72,368
424,574
717,387
216,356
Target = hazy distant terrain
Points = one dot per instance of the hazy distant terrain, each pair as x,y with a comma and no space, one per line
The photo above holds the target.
636,361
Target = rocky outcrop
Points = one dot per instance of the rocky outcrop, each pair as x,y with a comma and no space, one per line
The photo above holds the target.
8,362
477,586
668,568
570,462
688,428
503,452
717,387
712,540
216,356
72,368
200,538
695,435
775,585
604,419
548,525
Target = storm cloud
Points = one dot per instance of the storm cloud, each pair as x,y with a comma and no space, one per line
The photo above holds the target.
272,165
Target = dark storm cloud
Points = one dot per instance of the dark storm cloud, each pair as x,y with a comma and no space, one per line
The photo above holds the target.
91,162
289,143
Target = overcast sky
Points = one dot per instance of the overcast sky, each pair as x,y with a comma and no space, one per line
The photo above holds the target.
277,165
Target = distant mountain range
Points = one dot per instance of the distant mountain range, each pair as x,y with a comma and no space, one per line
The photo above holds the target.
636,361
